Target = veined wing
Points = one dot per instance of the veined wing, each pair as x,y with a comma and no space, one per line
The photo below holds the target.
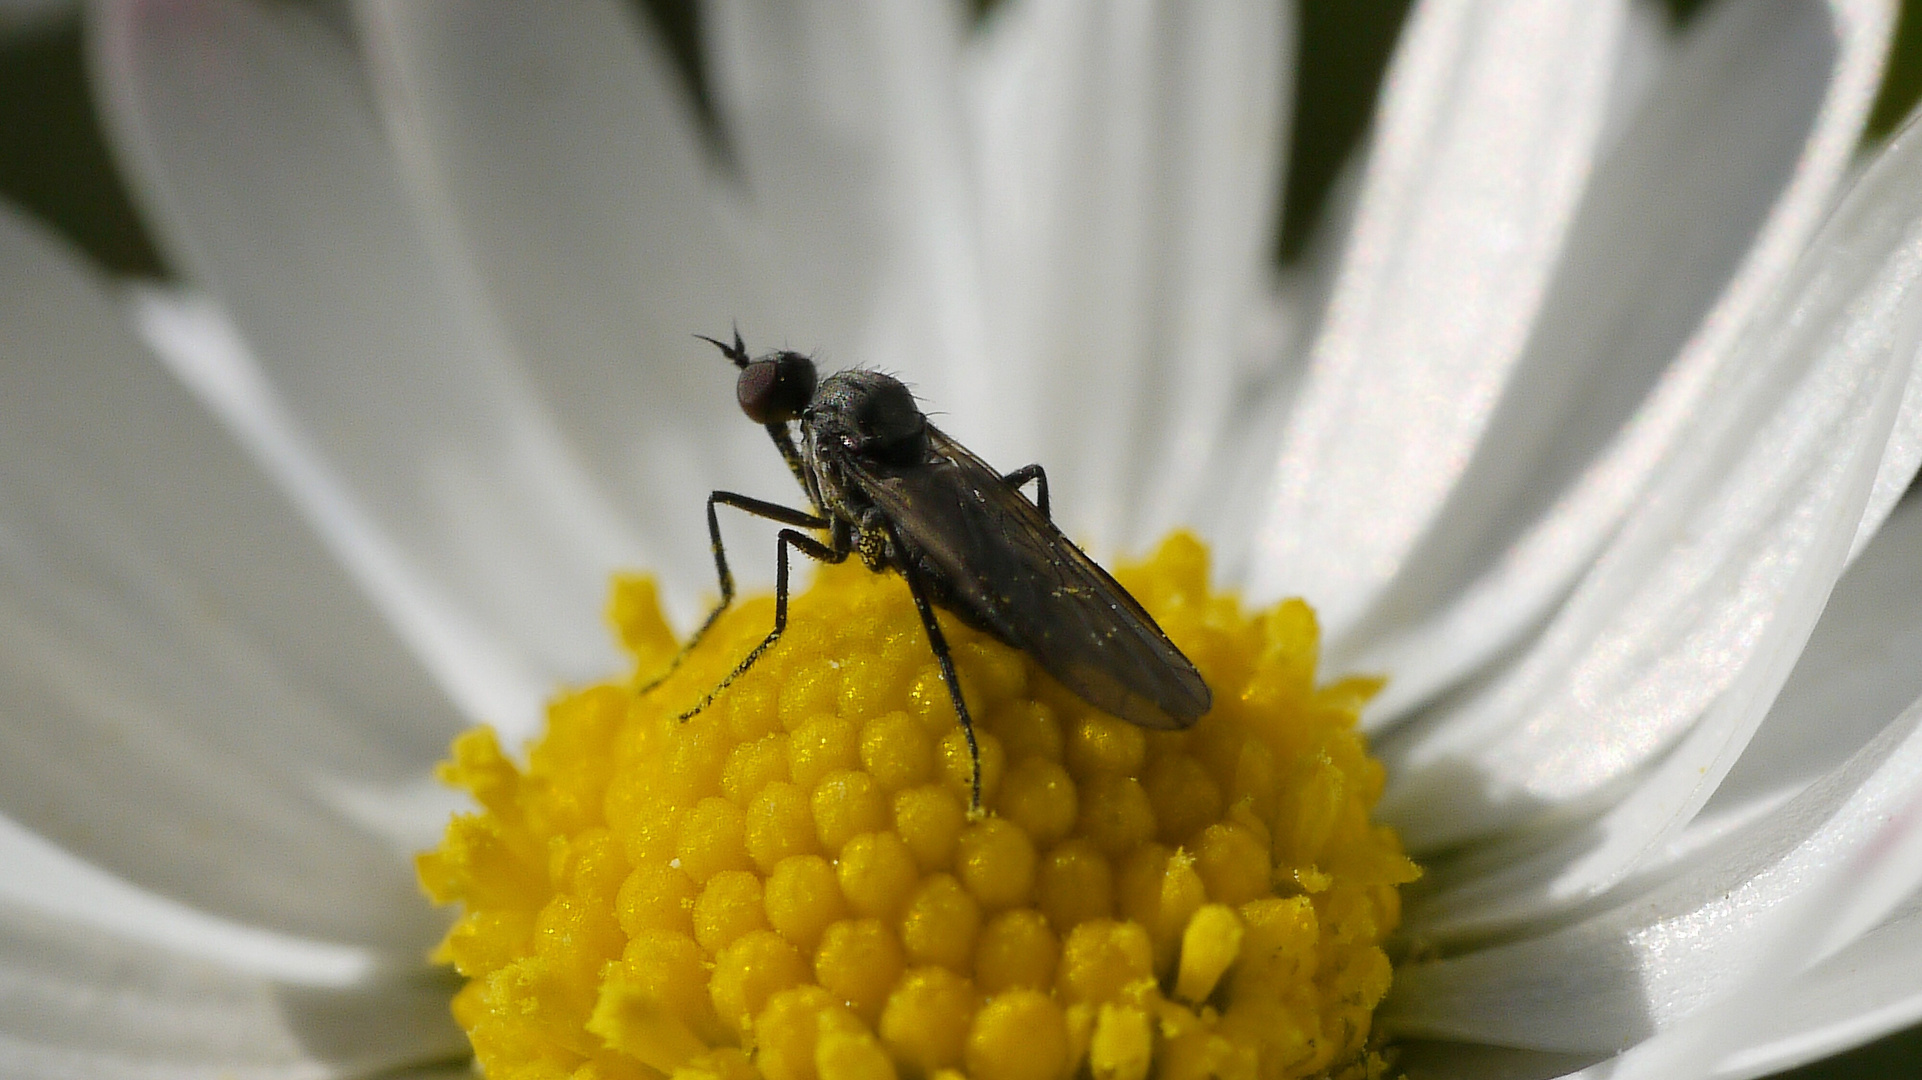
1007,568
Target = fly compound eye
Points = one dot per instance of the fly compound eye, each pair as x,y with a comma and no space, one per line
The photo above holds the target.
774,389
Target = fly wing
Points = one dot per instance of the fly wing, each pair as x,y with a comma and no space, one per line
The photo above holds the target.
1008,569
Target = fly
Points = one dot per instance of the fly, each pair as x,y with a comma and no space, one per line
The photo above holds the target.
885,484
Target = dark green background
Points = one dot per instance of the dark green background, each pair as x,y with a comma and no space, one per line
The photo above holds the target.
53,162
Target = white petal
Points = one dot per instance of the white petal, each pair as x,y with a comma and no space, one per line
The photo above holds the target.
203,350
1425,1059
1748,913
249,133
1688,223
189,683
1861,665
1867,990
931,321
1702,602
1129,159
801,92
78,1003
561,164
45,880
1491,118
1899,463
852,113
558,162
1873,862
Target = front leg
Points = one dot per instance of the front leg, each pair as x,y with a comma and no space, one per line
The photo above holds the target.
759,508
1040,477
939,643
808,546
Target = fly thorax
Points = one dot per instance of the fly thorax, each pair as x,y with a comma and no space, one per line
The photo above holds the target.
860,422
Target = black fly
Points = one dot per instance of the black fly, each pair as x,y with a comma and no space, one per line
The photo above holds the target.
889,486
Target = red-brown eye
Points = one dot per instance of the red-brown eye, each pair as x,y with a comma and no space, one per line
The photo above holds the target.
774,389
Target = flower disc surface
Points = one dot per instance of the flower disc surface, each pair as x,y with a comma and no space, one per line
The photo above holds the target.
789,884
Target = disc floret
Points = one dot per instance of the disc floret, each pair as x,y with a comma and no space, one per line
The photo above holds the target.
790,885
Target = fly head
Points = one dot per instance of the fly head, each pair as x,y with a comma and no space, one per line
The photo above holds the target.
773,389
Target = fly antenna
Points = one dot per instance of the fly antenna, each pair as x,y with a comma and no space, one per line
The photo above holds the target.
736,352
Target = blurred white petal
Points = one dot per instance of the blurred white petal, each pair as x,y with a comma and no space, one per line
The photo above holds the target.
801,92
930,320
557,163
251,137
166,719
200,347
75,1003
1129,161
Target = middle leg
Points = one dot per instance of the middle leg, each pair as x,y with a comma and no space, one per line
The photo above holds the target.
939,643
1040,477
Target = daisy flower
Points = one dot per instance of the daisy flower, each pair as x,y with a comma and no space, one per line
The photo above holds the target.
1586,423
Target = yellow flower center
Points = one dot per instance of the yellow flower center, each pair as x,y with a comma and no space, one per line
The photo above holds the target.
789,885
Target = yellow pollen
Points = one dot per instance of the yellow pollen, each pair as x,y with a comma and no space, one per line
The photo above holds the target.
788,886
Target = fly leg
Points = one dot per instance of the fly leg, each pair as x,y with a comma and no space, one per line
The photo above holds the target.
789,539
759,508
939,644
1040,477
